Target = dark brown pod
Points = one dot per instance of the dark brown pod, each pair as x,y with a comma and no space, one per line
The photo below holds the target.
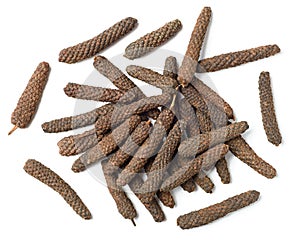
204,182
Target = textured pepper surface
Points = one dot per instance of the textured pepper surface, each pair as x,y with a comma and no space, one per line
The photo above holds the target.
216,211
30,99
51,179
223,171
171,67
233,59
241,149
204,182
93,46
268,110
190,61
152,40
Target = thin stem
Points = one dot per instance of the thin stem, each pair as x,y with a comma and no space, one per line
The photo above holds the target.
13,129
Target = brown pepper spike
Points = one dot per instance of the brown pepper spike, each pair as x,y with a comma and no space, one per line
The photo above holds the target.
151,77
223,171
171,67
78,121
124,205
120,80
233,59
268,110
107,145
98,93
30,99
91,47
152,40
204,182
190,61
195,145
149,147
216,211
240,148
193,167
76,144
51,179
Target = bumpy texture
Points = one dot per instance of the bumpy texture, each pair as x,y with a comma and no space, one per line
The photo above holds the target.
233,59
268,110
171,67
149,147
195,145
204,182
193,167
190,61
240,148
30,99
51,179
98,93
75,144
223,171
107,145
124,205
205,123
78,121
93,46
216,211
152,40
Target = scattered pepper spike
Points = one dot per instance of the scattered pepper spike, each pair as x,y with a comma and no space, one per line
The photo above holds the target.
90,48
190,60
30,99
216,211
51,179
268,110
204,182
171,67
223,171
233,59
152,40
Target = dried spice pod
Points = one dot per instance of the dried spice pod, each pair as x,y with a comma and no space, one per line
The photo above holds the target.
76,144
233,59
151,77
124,205
120,80
78,121
149,147
152,40
194,98
107,145
216,211
171,67
241,149
205,123
217,116
193,167
189,186
30,99
190,61
223,171
91,47
196,145
51,179
204,182
268,110
98,93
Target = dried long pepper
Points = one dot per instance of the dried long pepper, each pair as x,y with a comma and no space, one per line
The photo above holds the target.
204,182
93,46
98,93
51,179
216,211
241,149
223,171
30,99
190,61
78,121
233,59
152,40
268,110
171,67
107,145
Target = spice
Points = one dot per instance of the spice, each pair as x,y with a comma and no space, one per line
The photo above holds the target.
233,59
152,40
78,121
240,148
198,144
205,123
107,145
30,99
76,144
268,110
223,171
171,67
98,93
204,182
216,211
193,167
93,46
51,179
190,61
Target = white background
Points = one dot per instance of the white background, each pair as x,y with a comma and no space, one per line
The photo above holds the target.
35,31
